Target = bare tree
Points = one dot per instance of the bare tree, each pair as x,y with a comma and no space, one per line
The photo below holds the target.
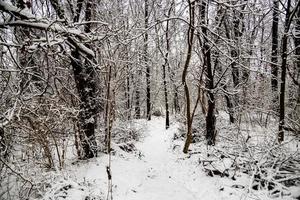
289,15
189,118
274,54
148,75
210,117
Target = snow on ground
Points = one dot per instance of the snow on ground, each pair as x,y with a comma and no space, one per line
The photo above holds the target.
158,173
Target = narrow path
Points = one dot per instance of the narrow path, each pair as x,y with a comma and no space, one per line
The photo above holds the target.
160,175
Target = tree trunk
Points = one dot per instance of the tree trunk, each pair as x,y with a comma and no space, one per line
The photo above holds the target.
164,70
296,111
85,79
274,53
235,74
283,73
127,94
235,54
84,75
218,67
137,96
210,117
166,94
175,89
191,31
108,110
148,75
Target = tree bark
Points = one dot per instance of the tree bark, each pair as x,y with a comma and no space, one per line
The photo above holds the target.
274,53
127,94
85,79
137,96
296,111
148,75
164,70
210,117
84,76
283,73
189,120
235,54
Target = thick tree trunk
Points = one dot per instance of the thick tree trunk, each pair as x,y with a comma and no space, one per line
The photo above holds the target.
274,53
85,79
296,112
283,74
210,117
84,75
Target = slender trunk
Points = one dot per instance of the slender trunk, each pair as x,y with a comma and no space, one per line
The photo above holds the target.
229,106
238,30
172,72
218,67
107,110
137,97
148,75
164,70
175,89
176,100
127,95
166,95
191,31
235,74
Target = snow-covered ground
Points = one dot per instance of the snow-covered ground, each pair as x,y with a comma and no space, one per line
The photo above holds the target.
158,172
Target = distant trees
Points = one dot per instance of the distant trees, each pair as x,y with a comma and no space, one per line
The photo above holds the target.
223,43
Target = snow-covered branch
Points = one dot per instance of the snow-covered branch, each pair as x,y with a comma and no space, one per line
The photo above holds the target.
29,20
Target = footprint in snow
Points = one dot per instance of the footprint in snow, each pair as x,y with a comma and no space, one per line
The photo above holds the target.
152,173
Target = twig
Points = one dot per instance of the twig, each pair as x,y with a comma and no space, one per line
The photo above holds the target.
20,175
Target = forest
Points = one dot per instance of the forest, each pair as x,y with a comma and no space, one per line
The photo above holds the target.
149,99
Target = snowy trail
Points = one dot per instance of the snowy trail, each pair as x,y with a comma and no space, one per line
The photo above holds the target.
159,175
